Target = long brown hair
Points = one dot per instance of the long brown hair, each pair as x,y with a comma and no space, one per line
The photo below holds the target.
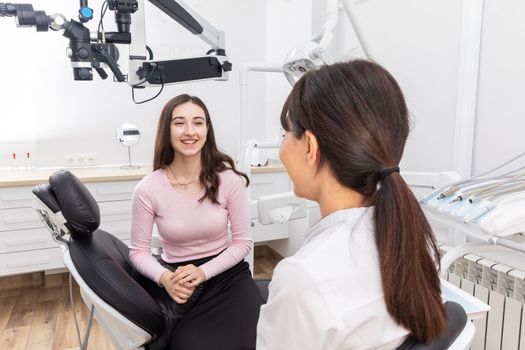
213,161
359,116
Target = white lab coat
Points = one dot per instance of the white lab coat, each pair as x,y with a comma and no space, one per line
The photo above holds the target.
329,294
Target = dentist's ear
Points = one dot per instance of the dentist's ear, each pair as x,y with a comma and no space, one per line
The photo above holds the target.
312,148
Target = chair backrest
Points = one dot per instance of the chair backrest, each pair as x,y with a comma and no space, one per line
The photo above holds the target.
102,261
99,258
456,326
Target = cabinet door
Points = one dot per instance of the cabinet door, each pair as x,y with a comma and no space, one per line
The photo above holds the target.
119,229
115,211
111,191
19,219
16,197
261,233
30,261
22,240
115,218
269,183
265,184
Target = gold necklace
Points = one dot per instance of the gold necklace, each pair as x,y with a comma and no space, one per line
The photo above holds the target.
183,185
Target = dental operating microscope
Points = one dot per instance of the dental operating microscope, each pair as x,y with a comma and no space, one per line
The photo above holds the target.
97,50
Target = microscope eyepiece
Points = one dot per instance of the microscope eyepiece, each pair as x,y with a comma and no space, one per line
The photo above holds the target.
7,9
25,15
123,21
123,10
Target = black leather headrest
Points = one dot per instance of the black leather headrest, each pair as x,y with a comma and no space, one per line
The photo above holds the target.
76,203
46,195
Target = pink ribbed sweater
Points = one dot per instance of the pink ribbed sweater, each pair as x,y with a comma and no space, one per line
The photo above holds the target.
188,229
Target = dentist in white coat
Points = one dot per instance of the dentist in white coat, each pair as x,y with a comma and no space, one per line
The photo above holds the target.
366,275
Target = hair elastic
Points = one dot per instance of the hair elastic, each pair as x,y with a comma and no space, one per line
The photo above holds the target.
387,171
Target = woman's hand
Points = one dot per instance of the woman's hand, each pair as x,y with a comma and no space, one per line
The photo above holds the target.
180,292
189,275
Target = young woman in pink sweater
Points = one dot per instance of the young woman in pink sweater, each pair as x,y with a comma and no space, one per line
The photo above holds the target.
191,196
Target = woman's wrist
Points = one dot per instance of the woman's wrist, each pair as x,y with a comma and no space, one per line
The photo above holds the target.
163,276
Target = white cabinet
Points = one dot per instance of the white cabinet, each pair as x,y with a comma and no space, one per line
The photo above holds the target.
110,191
22,240
266,183
24,261
26,245
114,201
15,197
18,219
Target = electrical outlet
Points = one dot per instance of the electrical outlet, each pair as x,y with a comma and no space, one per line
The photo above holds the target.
91,159
69,160
80,159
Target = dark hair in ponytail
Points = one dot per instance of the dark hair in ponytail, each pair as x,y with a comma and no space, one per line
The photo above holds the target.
359,116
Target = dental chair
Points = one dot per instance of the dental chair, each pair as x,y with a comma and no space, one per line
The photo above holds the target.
122,300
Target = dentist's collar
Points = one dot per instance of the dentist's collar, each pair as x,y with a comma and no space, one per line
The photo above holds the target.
349,216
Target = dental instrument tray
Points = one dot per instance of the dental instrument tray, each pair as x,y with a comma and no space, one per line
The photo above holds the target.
489,207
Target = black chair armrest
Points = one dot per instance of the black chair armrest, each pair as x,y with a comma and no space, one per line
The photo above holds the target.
456,321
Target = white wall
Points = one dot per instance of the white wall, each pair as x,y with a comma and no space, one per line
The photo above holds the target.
44,111
418,42
288,24
500,119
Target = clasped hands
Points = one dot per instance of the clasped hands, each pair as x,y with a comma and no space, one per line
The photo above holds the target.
181,283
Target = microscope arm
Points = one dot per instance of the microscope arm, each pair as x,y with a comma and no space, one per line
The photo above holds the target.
145,72
192,21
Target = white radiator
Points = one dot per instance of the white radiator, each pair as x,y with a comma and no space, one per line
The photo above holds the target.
503,288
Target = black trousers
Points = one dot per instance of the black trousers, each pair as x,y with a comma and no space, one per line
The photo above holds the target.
223,314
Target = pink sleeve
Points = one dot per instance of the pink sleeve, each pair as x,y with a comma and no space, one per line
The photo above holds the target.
142,219
239,217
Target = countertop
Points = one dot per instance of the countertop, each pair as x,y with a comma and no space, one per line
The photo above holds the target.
22,177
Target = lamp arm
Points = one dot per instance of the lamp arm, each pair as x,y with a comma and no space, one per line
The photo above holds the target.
332,12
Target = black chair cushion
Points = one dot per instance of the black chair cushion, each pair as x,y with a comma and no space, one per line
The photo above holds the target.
77,204
47,196
102,261
456,321
263,285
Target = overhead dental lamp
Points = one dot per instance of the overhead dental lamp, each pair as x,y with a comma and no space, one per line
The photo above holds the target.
301,59
311,54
